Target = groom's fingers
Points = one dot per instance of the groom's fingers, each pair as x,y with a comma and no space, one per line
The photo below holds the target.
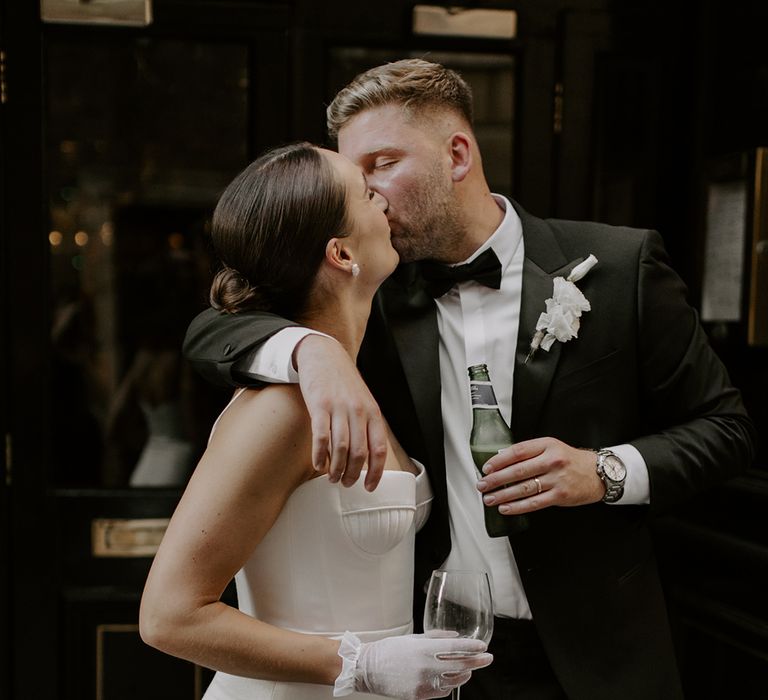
561,475
347,427
339,446
520,474
357,449
377,450
519,452
321,424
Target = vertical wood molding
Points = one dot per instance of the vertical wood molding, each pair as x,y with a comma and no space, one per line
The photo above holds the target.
758,293
102,631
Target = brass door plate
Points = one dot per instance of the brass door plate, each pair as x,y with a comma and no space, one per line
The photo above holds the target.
137,13
127,538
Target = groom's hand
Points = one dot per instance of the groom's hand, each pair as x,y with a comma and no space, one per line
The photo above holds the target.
347,425
540,473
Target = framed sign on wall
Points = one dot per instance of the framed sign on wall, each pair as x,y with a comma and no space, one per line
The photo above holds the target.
735,280
137,13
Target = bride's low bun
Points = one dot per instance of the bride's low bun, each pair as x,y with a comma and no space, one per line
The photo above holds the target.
232,293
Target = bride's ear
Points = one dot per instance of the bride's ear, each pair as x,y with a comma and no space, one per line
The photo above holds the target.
338,255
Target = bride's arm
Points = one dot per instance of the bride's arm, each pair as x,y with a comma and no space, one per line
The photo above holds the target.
232,500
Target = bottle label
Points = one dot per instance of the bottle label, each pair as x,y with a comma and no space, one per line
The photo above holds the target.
482,395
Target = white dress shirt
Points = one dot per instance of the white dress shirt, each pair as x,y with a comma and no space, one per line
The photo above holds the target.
493,318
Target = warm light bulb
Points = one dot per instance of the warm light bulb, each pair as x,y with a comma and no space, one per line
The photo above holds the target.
81,238
176,241
55,238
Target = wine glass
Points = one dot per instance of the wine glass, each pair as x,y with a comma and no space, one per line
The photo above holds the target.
459,602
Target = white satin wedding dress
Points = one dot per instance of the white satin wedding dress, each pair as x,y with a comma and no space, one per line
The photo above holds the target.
336,559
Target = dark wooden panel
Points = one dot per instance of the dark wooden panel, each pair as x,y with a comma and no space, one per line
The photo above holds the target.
5,474
76,511
104,657
32,619
714,669
714,562
221,17
120,653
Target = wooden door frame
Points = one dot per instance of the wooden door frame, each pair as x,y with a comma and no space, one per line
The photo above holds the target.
31,628
5,521
28,531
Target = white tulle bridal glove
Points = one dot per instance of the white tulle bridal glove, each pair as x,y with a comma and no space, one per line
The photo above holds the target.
410,667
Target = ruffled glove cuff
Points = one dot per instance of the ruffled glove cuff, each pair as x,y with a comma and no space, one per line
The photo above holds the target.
349,651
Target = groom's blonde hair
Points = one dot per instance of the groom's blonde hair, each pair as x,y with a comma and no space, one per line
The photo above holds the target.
413,83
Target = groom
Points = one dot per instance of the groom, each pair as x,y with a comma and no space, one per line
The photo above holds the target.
580,612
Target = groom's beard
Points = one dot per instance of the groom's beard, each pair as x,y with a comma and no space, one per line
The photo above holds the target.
434,228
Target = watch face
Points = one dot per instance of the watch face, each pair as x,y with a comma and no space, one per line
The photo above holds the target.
614,468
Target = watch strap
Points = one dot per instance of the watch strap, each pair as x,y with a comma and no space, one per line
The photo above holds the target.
614,490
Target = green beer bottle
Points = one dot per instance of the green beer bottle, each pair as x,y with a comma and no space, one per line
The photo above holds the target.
490,433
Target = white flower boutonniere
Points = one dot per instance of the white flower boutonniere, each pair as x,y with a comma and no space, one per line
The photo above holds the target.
561,320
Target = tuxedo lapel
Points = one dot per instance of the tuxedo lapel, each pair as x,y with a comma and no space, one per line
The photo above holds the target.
544,260
412,319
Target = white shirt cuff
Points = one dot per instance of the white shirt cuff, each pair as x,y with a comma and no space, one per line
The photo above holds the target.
273,361
637,487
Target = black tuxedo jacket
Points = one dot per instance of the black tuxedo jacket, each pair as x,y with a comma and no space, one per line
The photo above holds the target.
640,372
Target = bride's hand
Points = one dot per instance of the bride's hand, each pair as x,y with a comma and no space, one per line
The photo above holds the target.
412,667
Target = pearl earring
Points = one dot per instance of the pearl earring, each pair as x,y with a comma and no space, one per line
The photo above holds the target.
355,269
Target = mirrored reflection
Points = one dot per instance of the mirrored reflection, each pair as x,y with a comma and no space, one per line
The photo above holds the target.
492,78
142,136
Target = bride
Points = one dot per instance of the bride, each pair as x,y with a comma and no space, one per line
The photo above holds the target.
323,573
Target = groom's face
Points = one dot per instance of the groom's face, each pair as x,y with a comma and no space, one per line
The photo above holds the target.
408,162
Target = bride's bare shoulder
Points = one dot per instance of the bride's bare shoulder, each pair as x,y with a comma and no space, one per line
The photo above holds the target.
281,401
273,419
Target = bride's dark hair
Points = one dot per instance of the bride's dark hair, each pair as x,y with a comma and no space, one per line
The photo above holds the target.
270,229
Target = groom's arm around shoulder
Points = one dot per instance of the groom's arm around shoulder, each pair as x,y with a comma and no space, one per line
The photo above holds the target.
216,340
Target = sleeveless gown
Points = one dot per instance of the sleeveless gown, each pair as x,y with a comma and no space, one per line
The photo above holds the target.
336,559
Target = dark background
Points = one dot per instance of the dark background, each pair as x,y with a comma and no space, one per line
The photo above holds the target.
622,112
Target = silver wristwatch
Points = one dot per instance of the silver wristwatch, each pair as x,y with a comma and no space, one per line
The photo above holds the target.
613,474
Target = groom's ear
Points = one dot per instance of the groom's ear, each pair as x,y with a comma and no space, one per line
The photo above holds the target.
460,145
338,255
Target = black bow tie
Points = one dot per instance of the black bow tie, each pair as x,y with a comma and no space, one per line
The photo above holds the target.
485,269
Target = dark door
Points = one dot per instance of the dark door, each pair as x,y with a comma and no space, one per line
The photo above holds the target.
661,126
116,143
